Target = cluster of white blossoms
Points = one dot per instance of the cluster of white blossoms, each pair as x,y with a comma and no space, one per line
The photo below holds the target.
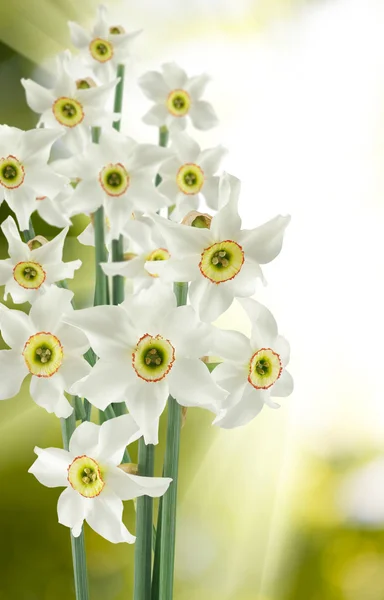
147,347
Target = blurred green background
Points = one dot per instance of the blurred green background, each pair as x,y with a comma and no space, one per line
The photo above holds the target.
290,507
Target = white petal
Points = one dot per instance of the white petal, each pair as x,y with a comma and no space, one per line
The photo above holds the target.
17,249
60,271
48,393
181,239
127,486
153,86
51,467
210,300
146,402
52,252
226,223
96,97
210,159
100,28
191,384
233,379
115,435
203,116
174,76
281,346
52,212
210,191
72,509
44,181
283,386
264,243
231,345
186,148
182,270
107,382
264,326
85,440
13,365
196,85
105,517
72,370
129,268
118,211
243,412
22,202
36,145
87,197
48,310
38,97
157,115
170,189
146,155
6,273
15,327
244,284
190,337
79,36
72,339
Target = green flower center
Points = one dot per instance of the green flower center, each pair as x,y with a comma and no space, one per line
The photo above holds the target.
264,368
43,354
156,255
11,172
114,179
101,50
29,275
178,103
190,179
222,261
68,111
153,358
84,475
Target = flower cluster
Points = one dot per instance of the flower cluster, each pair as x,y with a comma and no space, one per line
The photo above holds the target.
131,353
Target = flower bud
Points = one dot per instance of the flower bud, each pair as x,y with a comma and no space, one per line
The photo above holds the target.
196,219
116,29
37,242
85,84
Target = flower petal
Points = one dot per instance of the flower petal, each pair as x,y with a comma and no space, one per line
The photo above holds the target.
187,149
115,435
203,115
127,486
52,252
264,243
85,440
87,198
231,345
48,310
281,346
210,159
48,393
36,144
72,509
73,369
153,86
38,97
157,115
80,38
105,517
210,191
226,224
13,365
22,202
233,379
51,466
190,337
264,326
107,382
243,412
191,384
196,85
210,300
283,386
181,239
146,402
174,76
15,327
17,249
182,270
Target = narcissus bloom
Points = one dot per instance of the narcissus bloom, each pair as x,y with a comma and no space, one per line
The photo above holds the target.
24,173
53,209
153,351
73,110
95,485
222,262
105,47
144,243
42,345
190,174
117,173
254,369
177,97
28,273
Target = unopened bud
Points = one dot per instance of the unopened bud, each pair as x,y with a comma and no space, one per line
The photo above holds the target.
85,84
196,219
130,468
116,29
37,242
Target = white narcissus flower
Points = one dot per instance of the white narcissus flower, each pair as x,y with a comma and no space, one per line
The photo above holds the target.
254,369
74,110
118,174
148,349
144,243
42,345
177,97
24,172
95,485
189,175
28,273
105,47
53,209
222,262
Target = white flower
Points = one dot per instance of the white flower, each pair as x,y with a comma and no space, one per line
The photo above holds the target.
118,174
95,485
105,47
148,349
28,273
53,209
24,173
255,369
44,346
222,262
177,97
73,110
144,243
189,175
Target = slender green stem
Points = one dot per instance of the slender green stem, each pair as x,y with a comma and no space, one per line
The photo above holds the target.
68,426
101,285
171,467
163,142
156,540
144,528
118,105
28,234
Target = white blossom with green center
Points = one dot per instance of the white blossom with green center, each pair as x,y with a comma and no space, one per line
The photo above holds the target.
24,172
189,176
116,173
103,48
223,262
254,370
43,345
69,108
177,98
95,486
155,351
27,273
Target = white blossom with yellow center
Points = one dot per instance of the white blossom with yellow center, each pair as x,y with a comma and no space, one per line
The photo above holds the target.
116,173
71,109
154,351
190,175
27,273
103,48
254,370
24,172
45,347
222,262
177,98
94,484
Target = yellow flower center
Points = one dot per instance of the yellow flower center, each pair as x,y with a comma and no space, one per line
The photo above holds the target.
43,354
84,475
11,172
153,358
222,261
158,254
68,111
190,179
114,179
101,50
29,275
264,369
178,103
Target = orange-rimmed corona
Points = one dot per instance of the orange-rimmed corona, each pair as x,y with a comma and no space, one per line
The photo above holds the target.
153,358
43,354
222,261
12,173
264,369
101,50
190,179
68,111
114,179
158,254
29,275
178,103
84,475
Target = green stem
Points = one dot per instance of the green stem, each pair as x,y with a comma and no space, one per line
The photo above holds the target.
101,285
156,558
28,234
144,527
171,467
68,426
163,142
119,93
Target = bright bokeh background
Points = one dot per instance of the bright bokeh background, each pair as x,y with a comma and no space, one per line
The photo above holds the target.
291,506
